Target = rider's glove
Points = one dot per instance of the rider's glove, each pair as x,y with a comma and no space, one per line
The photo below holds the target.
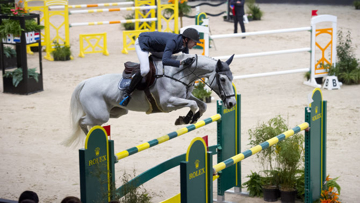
188,61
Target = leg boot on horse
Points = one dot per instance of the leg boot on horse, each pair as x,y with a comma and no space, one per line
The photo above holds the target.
129,89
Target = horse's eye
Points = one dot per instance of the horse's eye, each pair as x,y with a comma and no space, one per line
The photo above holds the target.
222,79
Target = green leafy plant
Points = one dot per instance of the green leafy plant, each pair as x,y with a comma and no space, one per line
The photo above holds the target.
263,132
254,184
255,11
289,155
61,53
200,92
9,26
129,26
184,9
17,75
300,184
9,52
347,68
13,27
5,8
134,194
357,4
271,178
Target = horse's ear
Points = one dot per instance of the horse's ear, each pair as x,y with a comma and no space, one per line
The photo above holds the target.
230,59
218,66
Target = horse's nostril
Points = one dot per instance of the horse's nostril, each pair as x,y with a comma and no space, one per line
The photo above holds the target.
230,105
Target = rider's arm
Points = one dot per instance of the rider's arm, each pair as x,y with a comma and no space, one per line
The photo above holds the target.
169,49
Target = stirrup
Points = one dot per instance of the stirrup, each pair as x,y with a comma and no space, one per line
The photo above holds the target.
125,101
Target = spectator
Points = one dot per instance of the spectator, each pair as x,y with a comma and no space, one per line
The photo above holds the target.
238,14
71,199
28,197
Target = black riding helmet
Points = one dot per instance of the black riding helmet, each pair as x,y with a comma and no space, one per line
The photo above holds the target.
192,34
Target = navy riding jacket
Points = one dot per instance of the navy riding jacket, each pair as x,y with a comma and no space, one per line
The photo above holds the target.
166,42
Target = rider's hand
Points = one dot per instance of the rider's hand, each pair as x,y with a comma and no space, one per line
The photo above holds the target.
188,61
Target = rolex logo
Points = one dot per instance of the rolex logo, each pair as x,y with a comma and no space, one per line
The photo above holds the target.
197,163
316,109
97,151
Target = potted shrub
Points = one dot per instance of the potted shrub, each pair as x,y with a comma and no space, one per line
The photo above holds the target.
61,53
201,92
17,75
357,4
289,156
347,68
10,29
255,11
9,57
330,191
267,157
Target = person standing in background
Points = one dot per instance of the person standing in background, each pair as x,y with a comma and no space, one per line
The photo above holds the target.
238,14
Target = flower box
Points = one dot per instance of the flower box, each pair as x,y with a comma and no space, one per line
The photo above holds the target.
28,87
31,37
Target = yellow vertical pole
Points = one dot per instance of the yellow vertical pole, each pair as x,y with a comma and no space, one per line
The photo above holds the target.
175,17
142,14
48,14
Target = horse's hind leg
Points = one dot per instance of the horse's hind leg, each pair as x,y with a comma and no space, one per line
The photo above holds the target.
96,113
83,126
116,112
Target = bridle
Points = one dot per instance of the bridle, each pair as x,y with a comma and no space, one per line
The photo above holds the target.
222,92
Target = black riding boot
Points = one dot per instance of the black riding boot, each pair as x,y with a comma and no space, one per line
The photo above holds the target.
128,90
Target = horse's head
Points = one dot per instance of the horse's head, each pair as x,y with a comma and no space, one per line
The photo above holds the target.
221,83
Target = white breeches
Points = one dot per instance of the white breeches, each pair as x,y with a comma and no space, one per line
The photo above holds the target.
143,57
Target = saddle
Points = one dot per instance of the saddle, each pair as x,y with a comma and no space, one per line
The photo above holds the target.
132,68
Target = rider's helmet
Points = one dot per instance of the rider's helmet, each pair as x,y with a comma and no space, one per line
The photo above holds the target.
192,34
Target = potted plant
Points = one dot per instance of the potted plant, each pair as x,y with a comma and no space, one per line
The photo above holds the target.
330,191
201,92
289,156
9,57
347,68
17,75
10,29
255,11
357,4
267,157
61,53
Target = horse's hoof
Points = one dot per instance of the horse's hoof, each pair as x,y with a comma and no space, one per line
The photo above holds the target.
180,120
195,117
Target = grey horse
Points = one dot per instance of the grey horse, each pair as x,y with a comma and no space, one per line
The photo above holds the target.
96,100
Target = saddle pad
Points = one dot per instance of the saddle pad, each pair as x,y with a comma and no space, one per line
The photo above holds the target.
123,83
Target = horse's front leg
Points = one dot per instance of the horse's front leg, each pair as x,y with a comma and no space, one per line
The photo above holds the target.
178,103
202,108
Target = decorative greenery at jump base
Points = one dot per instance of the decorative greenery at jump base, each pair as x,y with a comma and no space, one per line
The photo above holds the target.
97,160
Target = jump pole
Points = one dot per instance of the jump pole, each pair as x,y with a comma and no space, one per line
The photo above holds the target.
93,5
113,9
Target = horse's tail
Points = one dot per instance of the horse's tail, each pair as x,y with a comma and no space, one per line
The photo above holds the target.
76,112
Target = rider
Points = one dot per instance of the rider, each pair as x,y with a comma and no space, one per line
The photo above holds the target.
164,44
